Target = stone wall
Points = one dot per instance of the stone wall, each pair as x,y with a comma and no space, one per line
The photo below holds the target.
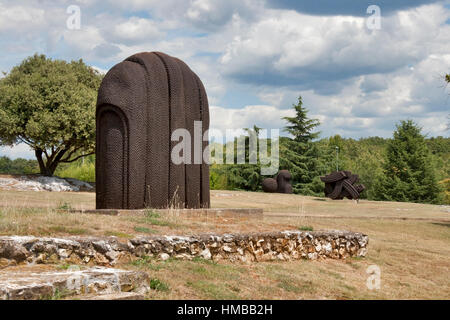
252,247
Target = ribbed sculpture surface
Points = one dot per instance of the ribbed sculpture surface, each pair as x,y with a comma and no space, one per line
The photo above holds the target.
141,101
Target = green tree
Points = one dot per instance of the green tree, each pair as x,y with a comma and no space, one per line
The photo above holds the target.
245,176
300,126
300,155
408,173
18,166
50,106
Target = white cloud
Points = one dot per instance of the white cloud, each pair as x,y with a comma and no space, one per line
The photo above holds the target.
84,41
20,18
136,30
434,125
290,48
213,14
264,116
358,82
202,15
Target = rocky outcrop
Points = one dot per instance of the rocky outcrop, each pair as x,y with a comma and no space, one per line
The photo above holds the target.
42,183
251,247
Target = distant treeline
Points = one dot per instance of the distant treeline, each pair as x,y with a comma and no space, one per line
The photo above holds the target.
408,167
364,156
18,166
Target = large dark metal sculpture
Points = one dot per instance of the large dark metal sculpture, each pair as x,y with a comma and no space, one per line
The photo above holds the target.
281,183
340,184
141,101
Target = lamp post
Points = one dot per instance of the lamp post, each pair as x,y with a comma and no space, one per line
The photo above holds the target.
337,158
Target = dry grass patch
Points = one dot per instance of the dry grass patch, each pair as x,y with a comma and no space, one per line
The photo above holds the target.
413,255
47,200
414,258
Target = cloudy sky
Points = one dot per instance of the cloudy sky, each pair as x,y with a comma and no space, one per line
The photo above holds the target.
256,57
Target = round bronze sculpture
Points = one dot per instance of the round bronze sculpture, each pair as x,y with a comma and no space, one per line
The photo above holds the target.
281,183
284,182
141,101
269,185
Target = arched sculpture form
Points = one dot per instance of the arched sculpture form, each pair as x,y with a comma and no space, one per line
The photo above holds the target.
141,101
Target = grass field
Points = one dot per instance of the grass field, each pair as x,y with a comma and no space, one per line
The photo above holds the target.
409,242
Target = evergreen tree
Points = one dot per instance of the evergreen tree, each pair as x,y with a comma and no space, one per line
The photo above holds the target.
408,173
300,126
300,155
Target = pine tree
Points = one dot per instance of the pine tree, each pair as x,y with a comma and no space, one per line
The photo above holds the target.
408,174
300,126
299,154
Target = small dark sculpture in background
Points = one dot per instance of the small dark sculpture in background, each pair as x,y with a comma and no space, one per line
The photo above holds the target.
281,183
340,184
141,101
270,185
284,182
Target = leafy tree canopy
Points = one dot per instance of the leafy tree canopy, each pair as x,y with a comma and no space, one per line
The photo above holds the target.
50,106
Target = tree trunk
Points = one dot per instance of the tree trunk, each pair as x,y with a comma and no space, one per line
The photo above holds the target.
49,167
42,167
56,160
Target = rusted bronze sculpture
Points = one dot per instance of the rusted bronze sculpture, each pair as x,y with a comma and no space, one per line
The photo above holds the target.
340,184
284,182
270,185
281,183
141,101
